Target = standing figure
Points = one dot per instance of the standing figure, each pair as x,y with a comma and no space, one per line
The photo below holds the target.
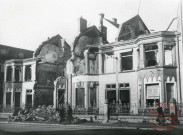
69,114
62,114
160,117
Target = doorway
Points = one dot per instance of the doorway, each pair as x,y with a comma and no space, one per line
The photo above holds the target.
29,101
61,96
170,91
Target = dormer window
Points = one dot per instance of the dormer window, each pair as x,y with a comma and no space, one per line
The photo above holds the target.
28,73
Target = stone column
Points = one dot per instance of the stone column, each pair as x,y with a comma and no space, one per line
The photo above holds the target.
12,97
33,97
66,90
69,89
162,89
5,73
13,74
97,95
86,62
33,72
117,88
100,62
86,95
135,59
55,96
142,56
23,73
106,111
4,87
13,88
161,58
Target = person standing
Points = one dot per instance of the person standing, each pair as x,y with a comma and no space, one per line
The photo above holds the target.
62,114
69,114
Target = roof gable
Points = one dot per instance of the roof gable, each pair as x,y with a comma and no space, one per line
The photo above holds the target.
132,29
89,32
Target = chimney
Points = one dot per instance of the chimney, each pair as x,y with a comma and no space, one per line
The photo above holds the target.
114,20
101,19
82,24
62,42
103,29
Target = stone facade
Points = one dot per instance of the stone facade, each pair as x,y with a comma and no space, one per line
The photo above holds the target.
7,53
30,82
140,68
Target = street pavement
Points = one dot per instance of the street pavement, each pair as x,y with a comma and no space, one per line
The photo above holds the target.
56,129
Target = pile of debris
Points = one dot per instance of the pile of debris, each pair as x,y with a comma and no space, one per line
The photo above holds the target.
42,113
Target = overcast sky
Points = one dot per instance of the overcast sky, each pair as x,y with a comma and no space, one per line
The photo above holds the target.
27,23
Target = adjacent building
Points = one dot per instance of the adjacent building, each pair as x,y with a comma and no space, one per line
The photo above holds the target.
140,68
30,82
6,53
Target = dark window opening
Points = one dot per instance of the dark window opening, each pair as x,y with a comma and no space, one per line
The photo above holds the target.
93,96
61,96
124,85
111,96
108,86
126,61
121,85
125,96
151,54
9,74
28,73
151,102
113,85
170,91
168,55
17,73
80,97
29,101
8,98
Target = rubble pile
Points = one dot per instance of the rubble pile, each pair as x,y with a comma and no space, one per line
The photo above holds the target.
38,114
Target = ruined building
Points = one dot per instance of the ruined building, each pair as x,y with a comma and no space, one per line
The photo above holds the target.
30,82
139,68
83,66
145,67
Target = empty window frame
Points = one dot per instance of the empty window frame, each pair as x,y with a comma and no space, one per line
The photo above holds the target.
153,94
168,55
126,61
17,73
110,86
124,85
28,73
111,92
151,54
9,74
124,93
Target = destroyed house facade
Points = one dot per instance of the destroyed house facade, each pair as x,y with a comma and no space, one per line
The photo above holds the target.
83,67
30,82
139,68
144,70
